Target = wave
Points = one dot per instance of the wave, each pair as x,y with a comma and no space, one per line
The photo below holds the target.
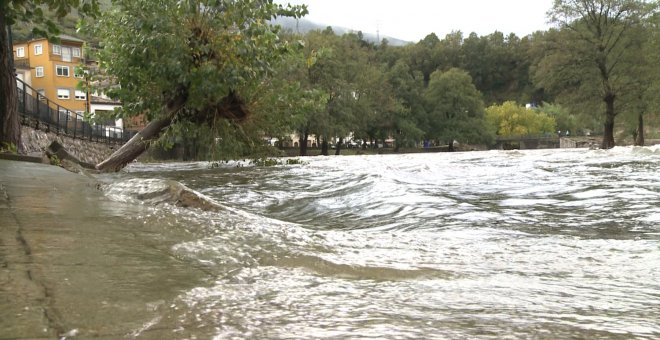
160,191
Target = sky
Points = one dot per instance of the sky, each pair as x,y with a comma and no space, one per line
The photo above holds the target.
412,20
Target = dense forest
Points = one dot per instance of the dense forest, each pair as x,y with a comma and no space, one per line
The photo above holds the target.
598,63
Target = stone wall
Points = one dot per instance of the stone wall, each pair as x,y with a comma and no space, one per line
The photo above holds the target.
36,141
579,142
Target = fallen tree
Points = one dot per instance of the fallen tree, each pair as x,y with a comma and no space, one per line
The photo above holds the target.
186,62
231,107
136,145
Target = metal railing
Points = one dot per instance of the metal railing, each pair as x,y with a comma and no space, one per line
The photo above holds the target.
61,120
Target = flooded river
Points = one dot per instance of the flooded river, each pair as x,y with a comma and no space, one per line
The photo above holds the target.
519,244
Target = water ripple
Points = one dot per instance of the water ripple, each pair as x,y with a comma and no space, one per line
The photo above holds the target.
520,244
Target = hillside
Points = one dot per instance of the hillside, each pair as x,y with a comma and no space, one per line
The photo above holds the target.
303,26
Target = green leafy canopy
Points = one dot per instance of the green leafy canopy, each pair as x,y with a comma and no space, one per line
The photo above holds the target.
150,50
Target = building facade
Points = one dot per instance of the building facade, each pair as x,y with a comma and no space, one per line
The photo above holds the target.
50,69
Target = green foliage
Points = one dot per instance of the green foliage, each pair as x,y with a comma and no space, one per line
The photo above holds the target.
265,162
54,160
592,63
511,119
455,109
156,53
45,17
206,48
497,64
566,121
8,148
331,85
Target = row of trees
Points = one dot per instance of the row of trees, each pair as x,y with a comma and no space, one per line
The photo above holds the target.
218,70
599,63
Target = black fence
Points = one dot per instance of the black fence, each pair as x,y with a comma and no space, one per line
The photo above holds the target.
63,121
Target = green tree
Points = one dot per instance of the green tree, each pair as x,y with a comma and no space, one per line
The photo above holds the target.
455,109
643,102
322,72
198,62
497,65
565,120
34,13
344,68
423,56
511,119
407,87
589,57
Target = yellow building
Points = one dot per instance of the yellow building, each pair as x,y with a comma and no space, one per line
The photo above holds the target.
49,68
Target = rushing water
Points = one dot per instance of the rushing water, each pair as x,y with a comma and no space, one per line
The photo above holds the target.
520,244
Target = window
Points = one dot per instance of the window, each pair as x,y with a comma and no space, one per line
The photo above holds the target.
38,49
20,52
78,72
80,95
66,53
76,52
57,49
62,71
39,71
63,93
41,94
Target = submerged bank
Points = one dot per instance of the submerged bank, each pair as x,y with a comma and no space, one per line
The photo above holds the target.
73,262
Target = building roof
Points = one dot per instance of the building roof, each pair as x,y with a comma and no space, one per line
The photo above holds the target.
70,38
63,37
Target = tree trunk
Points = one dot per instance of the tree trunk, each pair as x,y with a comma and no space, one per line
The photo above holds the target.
608,135
303,143
324,147
135,146
10,124
639,140
339,143
450,146
140,142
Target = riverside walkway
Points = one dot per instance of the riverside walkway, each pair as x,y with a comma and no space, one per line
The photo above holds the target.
74,264
33,268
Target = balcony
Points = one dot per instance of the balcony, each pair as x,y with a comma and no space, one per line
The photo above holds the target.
22,63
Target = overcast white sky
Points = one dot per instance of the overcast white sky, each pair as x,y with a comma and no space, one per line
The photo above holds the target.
412,20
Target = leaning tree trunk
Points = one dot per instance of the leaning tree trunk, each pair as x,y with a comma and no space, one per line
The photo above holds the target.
608,136
639,140
339,143
135,146
10,124
140,142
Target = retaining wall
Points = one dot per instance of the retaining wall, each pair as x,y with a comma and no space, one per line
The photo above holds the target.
35,142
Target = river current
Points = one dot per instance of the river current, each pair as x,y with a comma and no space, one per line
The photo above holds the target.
499,244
